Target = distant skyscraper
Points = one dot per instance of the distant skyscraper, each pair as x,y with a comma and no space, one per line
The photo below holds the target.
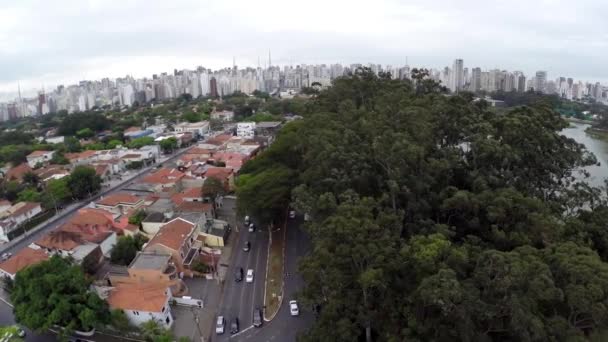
476,79
540,83
457,75
213,87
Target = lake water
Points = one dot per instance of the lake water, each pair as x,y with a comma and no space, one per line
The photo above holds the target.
594,145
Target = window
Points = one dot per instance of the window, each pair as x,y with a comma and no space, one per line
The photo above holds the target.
168,320
136,313
163,310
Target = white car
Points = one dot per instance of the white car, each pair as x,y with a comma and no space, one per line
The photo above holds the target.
292,214
293,308
251,227
219,325
249,277
6,256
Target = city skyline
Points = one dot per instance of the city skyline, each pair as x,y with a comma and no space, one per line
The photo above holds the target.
264,62
60,43
126,91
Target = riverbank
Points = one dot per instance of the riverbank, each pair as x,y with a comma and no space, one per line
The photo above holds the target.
597,133
571,119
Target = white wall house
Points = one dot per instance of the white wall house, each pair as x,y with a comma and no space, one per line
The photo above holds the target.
37,157
225,115
17,214
245,129
201,128
143,302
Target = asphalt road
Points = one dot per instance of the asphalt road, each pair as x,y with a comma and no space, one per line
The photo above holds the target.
239,299
284,327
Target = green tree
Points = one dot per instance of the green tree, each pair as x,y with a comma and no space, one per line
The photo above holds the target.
72,145
56,293
85,133
120,321
191,116
213,188
31,178
140,142
83,182
138,217
126,249
168,145
29,195
153,332
59,159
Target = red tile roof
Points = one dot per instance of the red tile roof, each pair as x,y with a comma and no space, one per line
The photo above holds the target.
195,207
38,153
26,207
173,234
80,155
132,129
101,169
119,198
221,173
18,171
147,297
164,176
24,258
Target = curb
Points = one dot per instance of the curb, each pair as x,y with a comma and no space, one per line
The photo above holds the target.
283,277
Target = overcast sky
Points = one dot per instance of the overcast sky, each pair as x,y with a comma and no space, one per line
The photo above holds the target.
54,42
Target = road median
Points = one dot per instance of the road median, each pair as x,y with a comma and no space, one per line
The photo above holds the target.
273,286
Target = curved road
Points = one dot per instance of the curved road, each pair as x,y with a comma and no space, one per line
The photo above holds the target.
284,327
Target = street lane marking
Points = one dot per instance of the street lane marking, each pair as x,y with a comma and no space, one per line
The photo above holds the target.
242,331
6,302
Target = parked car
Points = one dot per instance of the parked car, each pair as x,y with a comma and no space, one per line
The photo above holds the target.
247,219
257,318
238,274
292,214
219,325
247,246
249,278
6,256
234,326
251,227
293,308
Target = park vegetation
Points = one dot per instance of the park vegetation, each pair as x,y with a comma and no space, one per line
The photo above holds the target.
434,218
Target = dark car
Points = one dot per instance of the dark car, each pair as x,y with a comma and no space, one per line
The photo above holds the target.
238,274
257,318
247,246
234,326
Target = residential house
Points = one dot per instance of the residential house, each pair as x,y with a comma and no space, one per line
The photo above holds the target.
199,129
165,179
25,257
268,128
224,115
232,160
4,205
104,171
142,303
17,172
81,158
218,140
120,203
50,172
105,220
245,129
39,157
149,268
70,244
176,238
13,217
224,175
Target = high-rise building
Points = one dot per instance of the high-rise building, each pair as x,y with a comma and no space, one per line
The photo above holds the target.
457,76
213,87
540,82
475,79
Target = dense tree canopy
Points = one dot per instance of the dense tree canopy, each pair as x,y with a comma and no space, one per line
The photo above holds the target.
435,218
83,182
76,122
55,293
